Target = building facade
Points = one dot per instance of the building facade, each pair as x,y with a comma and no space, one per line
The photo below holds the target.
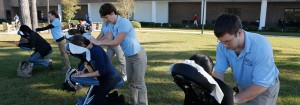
259,12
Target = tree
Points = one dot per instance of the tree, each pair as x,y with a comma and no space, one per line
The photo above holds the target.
69,8
125,7
34,14
25,14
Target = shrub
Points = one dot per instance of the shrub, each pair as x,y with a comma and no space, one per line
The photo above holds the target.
147,24
275,29
176,26
136,24
166,25
3,20
191,25
252,28
265,29
209,26
157,25
290,29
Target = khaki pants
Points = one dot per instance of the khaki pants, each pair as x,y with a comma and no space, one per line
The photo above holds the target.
111,51
136,68
269,97
64,55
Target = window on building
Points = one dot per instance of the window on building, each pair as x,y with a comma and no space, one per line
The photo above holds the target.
292,16
8,15
40,14
236,11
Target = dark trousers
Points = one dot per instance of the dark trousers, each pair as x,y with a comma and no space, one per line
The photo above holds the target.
106,85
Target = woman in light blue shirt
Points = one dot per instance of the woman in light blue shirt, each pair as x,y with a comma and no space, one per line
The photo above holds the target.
57,34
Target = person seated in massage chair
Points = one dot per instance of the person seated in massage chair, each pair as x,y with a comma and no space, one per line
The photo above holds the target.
105,72
221,93
41,47
207,64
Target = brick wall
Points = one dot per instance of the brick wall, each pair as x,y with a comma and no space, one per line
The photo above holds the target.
250,11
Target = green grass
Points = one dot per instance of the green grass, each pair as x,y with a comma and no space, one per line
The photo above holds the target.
163,49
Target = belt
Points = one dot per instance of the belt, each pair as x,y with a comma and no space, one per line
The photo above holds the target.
60,39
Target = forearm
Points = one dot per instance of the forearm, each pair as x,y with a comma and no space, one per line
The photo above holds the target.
25,45
100,36
114,42
109,42
248,94
45,28
93,74
219,75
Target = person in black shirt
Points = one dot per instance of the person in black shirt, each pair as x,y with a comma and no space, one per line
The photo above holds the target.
41,47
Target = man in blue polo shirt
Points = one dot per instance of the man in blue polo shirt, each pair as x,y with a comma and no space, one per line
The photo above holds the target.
250,57
135,55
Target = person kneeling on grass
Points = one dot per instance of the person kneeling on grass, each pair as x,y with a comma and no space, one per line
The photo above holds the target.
207,64
41,47
105,72
194,77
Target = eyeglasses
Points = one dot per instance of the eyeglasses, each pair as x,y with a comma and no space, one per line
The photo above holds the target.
227,42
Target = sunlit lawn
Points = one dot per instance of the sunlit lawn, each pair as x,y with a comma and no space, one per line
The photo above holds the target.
163,49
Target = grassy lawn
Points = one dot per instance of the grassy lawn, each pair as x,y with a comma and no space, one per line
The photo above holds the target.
163,49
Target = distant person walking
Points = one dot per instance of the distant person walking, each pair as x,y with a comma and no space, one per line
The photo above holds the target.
195,20
17,21
281,23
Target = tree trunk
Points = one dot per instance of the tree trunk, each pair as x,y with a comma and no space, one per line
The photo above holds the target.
34,15
25,13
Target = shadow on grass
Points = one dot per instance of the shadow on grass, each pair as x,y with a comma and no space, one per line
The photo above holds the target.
12,43
39,87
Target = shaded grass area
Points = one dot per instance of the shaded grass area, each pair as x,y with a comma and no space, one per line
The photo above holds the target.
162,49
297,34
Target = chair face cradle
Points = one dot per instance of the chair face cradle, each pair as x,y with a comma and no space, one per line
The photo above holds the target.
196,87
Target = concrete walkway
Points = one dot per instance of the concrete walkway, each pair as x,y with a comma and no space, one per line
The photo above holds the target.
8,33
176,31
164,30
205,32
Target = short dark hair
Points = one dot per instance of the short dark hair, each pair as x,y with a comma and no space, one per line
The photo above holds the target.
26,30
54,13
204,61
227,23
78,39
73,32
107,8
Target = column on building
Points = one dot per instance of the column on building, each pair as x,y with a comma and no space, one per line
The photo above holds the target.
263,12
89,9
154,11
